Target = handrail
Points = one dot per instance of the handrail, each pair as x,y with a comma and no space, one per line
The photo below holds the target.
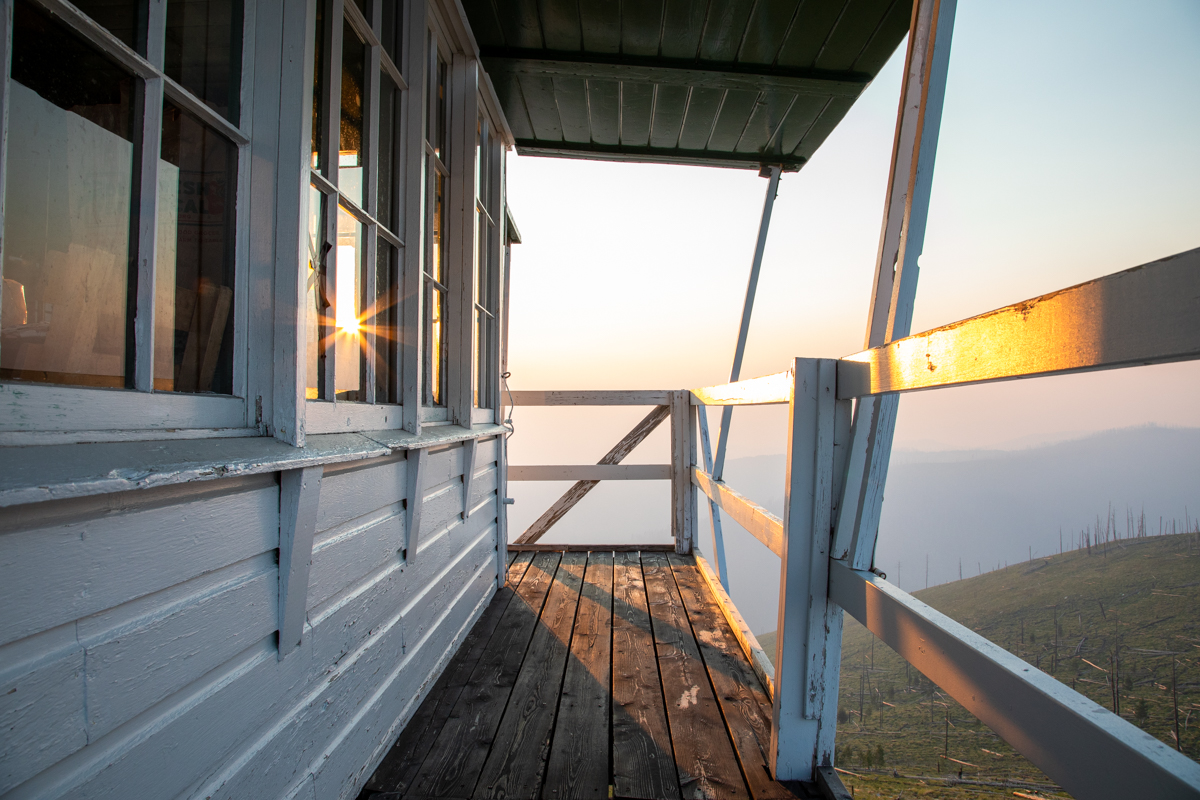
767,390
1087,750
762,524
1145,315
591,397
589,472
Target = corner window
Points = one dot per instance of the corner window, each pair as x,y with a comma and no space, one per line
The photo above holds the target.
354,254
487,257
120,198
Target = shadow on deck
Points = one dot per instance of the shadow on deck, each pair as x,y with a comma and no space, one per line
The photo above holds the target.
592,675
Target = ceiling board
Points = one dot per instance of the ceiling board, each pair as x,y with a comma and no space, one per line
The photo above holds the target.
721,82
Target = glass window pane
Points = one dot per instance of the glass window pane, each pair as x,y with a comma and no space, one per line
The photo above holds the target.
350,149
435,345
388,108
67,209
124,19
349,293
204,51
435,107
194,274
391,34
437,251
318,106
387,323
317,302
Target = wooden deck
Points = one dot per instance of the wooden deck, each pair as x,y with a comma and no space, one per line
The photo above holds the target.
591,675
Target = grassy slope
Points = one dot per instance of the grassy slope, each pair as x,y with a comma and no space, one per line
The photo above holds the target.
1142,596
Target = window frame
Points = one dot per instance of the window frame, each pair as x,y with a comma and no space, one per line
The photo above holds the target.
329,414
60,413
489,206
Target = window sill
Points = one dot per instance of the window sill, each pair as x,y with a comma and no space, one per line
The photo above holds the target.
35,413
322,416
56,472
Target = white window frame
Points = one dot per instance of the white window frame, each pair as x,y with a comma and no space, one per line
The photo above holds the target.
329,415
33,413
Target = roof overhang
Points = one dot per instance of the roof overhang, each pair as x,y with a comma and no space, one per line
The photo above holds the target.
761,83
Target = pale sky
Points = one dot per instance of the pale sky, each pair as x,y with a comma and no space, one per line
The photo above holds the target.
1070,149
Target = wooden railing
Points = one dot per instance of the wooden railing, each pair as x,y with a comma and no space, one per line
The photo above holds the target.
673,405
826,538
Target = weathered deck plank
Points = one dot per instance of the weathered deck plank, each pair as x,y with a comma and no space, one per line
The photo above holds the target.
744,703
578,769
708,767
453,765
643,761
398,768
517,762
592,675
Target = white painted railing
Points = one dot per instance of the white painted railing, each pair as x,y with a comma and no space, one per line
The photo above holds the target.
1147,315
666,404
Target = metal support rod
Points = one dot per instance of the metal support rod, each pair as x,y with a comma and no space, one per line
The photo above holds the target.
735,374
714,512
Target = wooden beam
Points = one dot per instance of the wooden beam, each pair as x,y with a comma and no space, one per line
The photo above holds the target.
299,494
1084,748
714,511
580,489
805,649
590,472
767,390
1145,315
657,155
761,524
901,240
672,72
757,657
415,498
683,455
470,447
599,397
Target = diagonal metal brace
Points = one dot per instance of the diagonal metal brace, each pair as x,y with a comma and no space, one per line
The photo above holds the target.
581,488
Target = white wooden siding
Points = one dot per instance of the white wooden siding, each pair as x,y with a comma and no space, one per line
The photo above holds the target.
148,667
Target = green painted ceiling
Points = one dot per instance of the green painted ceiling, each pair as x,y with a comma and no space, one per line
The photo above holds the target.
718,82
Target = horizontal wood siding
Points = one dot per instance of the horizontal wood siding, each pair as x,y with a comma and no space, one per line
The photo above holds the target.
144,662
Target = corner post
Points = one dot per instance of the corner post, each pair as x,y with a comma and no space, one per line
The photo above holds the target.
683,455
806,646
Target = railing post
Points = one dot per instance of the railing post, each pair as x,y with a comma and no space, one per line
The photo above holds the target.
808,645
683,456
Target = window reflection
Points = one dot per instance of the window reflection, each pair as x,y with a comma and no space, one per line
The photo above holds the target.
387,318
350,148
391,36
193,318
317,302
435,296
388,94
318,95
204,51
124,19
348,308
67,209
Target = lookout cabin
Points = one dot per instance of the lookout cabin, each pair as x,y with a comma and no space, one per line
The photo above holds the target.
253,470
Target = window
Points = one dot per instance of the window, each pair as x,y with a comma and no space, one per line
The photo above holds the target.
437,180
354,254
487,256
121,196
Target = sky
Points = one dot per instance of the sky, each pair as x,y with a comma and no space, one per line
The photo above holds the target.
1069,149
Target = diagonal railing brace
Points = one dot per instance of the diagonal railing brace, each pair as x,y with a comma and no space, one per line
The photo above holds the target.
581,488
